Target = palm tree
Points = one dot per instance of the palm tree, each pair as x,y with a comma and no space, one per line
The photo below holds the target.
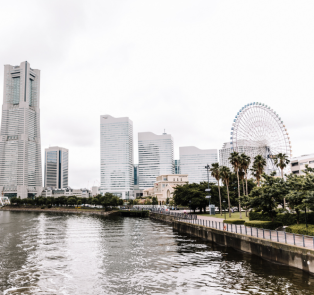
235,161
225,174
215,172
245,163
258,167
281,161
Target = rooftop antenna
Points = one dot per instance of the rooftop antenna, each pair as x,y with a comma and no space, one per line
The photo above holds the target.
164,131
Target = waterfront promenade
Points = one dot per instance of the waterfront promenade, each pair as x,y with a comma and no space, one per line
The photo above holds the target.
271,235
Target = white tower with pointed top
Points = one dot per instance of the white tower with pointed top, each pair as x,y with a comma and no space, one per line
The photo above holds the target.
20,144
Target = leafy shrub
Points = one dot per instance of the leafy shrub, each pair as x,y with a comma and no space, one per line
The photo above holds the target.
264,224
234,221
301,229
49,206
43,207
285,218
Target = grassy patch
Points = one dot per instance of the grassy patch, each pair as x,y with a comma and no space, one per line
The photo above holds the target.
301,229
264,224
235,215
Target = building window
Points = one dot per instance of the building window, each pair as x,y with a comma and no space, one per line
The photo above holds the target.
295,172
311,162
16,90
303,163
294,164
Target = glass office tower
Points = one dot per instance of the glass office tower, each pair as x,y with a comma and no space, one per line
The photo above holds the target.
56,167
155,157
193,161
20,144
116,156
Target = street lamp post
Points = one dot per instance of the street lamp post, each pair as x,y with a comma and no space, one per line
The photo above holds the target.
208,189
224,207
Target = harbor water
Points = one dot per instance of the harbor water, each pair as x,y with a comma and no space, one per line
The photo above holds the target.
50,253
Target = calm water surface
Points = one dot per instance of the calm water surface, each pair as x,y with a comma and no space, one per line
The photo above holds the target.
45,253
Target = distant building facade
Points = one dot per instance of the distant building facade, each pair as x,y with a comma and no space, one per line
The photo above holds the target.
20,143
66,192
298,163
164,187
56,167
193,161
155,157
95,191
177,167
116,153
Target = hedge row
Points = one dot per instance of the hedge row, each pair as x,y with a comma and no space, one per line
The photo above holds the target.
264,224
234,221
301,229
285,218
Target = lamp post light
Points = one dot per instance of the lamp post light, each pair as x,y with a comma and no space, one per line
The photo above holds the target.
208,197
224,207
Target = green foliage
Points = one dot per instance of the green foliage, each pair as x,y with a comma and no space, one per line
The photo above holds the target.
264,224
234,221
155,201
301,229
258,167
191,195
285,218
267,197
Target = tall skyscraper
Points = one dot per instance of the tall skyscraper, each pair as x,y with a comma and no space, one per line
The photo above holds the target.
116,153
155,157
20,145
193,161
56,167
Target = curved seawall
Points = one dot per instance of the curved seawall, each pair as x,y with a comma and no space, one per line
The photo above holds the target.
290,255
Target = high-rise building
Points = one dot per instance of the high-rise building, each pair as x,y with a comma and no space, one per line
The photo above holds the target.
135,174
116,154
56,167
177,167
155,157
193,161
20,144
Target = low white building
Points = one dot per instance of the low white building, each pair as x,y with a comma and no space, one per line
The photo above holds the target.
165,186
95,190
298,163
67,192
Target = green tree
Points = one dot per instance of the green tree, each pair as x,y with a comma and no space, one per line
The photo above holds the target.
225,176
72,201
235,161
215,172
245,164
258,168
281,161
154,201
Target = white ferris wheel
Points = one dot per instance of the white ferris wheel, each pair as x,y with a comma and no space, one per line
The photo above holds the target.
258,130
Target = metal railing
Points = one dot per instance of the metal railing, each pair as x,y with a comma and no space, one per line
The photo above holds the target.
267,234
184,216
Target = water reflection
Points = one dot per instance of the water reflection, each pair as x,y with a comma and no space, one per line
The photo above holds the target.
45,253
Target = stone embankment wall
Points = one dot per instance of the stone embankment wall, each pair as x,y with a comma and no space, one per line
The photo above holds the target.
59,210
294,256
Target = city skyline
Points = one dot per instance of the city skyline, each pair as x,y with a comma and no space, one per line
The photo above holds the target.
177,74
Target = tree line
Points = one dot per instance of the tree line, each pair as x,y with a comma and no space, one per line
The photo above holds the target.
107,200
236,187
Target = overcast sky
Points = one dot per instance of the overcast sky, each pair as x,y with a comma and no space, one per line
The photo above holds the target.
183,66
